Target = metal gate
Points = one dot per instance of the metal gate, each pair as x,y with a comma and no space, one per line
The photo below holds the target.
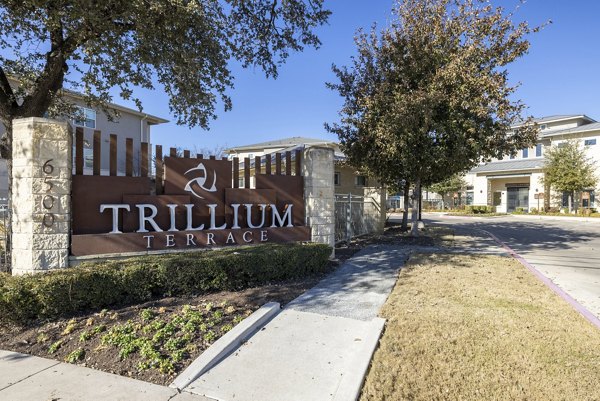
355,215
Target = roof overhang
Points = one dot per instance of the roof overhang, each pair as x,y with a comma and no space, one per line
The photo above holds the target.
556,120
493,177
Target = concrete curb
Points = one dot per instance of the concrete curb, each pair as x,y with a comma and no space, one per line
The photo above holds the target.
351,384
549,283
557,218
226,344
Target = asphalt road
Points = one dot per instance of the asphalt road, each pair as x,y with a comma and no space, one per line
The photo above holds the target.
565,251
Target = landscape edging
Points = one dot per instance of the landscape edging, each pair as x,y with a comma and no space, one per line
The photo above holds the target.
226,344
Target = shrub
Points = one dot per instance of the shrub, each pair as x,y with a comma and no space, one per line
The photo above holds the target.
93,286
533,210
470,209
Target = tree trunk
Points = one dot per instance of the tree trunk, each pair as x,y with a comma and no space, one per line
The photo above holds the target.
414,230
570,197
404,226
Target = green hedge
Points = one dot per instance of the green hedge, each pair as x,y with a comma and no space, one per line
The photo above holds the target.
92,286
473,209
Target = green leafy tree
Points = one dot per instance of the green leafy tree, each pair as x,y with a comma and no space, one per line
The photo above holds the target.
184,46
428,97
569,169
448,186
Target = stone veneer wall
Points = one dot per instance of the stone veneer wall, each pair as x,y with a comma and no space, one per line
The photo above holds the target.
319,201
41,219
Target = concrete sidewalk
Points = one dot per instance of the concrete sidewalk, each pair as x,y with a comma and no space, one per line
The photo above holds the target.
320,346
29,378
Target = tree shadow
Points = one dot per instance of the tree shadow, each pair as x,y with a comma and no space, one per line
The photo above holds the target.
521,233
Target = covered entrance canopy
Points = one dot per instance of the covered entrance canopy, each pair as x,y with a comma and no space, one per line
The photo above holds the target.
509,191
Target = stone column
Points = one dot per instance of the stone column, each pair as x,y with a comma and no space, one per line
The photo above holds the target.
41,195
319,201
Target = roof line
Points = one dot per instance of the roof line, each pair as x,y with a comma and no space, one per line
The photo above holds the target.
153,120
562,118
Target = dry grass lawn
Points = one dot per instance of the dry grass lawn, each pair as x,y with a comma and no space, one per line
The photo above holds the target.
466,327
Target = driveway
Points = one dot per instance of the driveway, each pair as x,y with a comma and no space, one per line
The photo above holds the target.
565,251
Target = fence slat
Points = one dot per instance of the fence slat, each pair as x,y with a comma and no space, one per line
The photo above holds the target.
173,152
199,156
113,154
144,161
186,154
97,152
246,172
236,172
158,157
79,150
128,157
257,165
288,163
277,163
298,162
213,157
268,165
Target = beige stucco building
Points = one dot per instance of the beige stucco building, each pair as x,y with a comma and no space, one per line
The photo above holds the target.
515,182
126,123
360,201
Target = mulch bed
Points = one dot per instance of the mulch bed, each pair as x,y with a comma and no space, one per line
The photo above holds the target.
153,341
394,235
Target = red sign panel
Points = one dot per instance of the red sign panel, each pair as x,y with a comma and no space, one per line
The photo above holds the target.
198,208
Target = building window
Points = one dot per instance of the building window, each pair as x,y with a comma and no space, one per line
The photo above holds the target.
250,156
525,153
469,198
336,178
88,155
360,181
562,144
86,117
512,157
590,142
543,126
497,198
588,198
538,150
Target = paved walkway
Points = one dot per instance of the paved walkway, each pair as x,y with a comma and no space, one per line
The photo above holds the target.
359,288
29,378
320,346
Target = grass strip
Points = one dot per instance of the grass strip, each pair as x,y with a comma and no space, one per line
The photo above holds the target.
472,327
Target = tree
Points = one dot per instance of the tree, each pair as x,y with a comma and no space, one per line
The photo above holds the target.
184,45
450,185
569,169
429,96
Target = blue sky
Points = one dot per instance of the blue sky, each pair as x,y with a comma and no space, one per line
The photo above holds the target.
560,75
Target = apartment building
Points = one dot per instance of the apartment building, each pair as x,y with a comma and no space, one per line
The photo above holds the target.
126,123
515,181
